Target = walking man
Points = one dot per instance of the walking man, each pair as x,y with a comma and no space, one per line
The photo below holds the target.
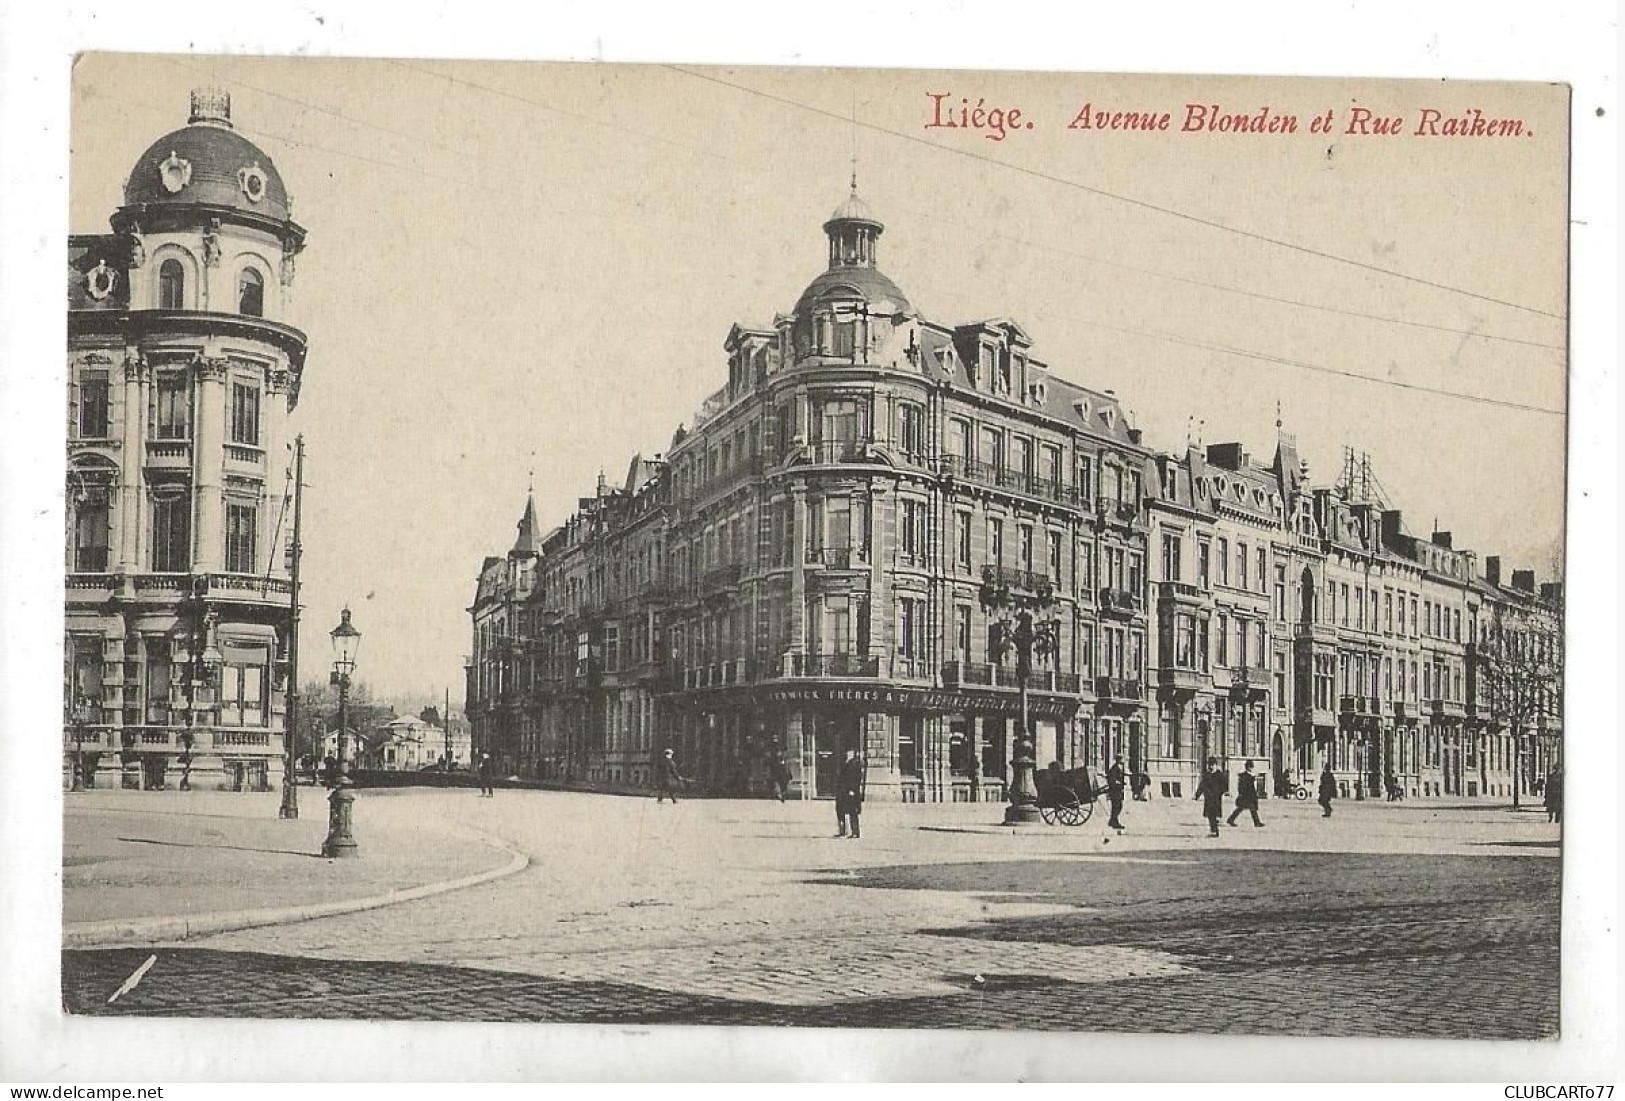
1211,793
779,774
666,776
1246,796
1328,790
1554,796
1114,791
849,793
486,768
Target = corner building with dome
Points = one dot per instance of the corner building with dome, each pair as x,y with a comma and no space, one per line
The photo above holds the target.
182,371
800,573
803,572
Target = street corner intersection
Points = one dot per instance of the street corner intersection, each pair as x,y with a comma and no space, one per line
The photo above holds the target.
1435,920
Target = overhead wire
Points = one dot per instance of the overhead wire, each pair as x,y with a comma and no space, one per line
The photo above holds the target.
1129,200
1475,333
1167,337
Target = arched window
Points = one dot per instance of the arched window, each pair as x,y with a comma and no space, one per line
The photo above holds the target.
171,285
251,293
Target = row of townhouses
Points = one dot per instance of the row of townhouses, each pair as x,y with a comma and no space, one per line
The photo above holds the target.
803,572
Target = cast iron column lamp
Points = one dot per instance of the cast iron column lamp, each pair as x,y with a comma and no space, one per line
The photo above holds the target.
81,719
1013,613
340,841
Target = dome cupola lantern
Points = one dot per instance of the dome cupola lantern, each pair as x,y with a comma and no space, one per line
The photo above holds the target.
211,107
853,230
853,274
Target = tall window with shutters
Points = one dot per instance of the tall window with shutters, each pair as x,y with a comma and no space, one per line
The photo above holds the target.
171,532
90,530
241,520
92,421
171,411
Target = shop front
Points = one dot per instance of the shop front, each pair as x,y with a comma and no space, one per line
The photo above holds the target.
918,744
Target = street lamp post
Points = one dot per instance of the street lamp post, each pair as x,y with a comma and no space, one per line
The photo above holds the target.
289,808
1013,614
81,716
340,840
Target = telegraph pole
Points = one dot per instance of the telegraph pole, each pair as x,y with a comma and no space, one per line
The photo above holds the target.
290,781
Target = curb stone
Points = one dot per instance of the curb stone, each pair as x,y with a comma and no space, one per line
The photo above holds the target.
119,932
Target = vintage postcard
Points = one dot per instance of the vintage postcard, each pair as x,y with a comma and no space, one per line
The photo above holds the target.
809,547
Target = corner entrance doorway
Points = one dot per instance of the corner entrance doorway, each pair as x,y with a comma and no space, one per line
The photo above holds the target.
833,736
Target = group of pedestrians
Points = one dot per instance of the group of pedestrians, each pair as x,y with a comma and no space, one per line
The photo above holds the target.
1214,786
850,785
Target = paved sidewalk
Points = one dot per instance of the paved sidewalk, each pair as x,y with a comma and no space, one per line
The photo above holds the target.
131,855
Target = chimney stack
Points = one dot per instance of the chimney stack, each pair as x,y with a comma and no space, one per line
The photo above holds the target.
1492,569
1442,539
1523,580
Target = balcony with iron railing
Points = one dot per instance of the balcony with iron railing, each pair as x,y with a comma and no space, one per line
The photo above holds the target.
973,674
1024,580
832,665
827,452
835,558
1444,708
1116,510
240,586
1182,591
1120,689
1122,602
1015,480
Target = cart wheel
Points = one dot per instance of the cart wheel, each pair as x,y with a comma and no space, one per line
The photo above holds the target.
1085,809
1301,795
1047,813
1071,814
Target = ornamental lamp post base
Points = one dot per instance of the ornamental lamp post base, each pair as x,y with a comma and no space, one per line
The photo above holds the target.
1023,808
1022,814
290,800
340,841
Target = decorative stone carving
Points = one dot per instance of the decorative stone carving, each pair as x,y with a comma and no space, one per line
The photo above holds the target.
136,367
100,281
252,180
138,249
175,173
211,243
287,269
211,368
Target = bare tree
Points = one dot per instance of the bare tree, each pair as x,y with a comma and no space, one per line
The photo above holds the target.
1523,675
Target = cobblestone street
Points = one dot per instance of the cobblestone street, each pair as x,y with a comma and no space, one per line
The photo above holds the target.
1385,920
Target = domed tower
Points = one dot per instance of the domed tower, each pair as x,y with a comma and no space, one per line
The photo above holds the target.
182,372
851,306
213,217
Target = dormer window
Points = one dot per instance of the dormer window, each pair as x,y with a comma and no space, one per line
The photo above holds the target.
171,285
250,293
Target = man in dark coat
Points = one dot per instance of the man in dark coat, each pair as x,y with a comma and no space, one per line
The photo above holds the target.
486,768
1211,794
1554,796
779,774
1328,790
849,793
1114,791
666,777
1246,796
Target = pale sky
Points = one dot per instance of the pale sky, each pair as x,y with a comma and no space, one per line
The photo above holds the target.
508,260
